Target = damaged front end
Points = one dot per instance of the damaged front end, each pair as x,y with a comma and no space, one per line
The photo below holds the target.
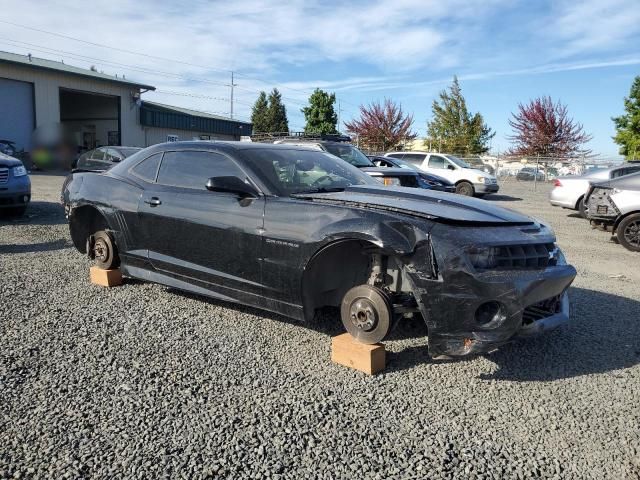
491,284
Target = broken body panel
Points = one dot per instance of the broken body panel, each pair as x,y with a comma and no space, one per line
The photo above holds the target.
480,275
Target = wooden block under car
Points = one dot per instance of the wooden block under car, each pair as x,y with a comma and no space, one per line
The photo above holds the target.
347,351
105,278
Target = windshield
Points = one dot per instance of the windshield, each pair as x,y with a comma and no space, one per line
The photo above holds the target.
290,171
349,153
458,162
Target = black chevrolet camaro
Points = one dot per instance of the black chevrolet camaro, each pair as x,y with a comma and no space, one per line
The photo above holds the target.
292,230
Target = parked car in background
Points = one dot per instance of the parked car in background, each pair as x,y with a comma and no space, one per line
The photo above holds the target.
480,165
569,192
530,174
293,230
103,158
15,186
468,181
347,152
614,206
8,147
426,180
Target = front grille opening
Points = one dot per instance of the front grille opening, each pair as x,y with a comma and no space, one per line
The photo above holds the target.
541,310
526,256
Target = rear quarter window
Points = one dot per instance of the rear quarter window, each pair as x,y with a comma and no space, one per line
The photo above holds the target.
147,169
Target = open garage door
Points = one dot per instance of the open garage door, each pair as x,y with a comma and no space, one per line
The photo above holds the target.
17,119
92,119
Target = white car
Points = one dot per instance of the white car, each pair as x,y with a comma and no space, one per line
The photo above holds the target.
468,180
569,192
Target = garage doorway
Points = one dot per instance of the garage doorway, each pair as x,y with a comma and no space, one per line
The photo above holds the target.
91,119
17,115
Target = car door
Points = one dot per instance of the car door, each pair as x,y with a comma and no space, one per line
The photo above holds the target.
438,165
212,239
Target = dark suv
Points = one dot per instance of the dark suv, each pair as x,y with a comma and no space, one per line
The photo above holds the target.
15,186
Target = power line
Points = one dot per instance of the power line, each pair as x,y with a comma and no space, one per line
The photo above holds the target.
147,55
89,59
157,57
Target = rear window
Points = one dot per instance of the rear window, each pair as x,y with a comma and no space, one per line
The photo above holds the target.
94,160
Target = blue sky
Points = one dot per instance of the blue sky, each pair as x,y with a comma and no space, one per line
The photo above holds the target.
585,53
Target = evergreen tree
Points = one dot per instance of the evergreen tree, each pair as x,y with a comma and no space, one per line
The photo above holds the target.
277,113
259,114
628,124
453,129
320,115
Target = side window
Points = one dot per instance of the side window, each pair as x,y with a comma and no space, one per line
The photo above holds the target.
396,155
414,158
148,168
112,155
98,154
437,162
193,169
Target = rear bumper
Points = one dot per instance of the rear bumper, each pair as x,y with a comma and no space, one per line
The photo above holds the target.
560,197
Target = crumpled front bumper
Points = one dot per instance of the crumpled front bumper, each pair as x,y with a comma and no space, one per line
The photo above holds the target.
449,307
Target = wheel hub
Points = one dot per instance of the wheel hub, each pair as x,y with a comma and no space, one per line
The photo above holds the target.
101,250
363,314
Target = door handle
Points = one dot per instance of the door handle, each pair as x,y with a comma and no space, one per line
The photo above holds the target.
153,201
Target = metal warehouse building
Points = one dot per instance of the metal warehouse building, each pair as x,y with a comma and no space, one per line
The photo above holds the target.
97,109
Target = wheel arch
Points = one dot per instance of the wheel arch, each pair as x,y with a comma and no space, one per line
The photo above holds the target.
622,217
335,268
84,220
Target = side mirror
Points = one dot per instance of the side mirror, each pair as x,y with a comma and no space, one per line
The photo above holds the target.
451,167
231,185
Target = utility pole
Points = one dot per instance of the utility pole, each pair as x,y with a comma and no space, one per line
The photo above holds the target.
339,114
232,85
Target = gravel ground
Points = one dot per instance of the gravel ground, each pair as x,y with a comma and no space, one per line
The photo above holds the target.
140,381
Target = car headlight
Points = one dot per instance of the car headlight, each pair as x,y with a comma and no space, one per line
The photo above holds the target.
616,190
484,180
19,171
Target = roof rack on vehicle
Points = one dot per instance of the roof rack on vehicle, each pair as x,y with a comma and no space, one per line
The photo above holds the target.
270,137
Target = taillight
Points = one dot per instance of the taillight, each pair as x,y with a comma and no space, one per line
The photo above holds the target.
391,181
557,183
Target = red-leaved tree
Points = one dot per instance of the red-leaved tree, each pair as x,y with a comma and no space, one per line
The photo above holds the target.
382,127
544,128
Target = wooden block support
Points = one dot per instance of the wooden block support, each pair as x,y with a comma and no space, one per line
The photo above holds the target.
105,278
347,351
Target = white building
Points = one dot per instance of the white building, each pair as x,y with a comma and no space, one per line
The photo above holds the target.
97,109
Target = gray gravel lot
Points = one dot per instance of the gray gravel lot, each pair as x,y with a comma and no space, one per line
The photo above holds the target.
144,382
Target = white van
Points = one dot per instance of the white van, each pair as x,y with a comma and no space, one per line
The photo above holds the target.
468,180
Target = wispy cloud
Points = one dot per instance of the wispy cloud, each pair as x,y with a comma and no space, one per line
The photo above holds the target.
593,25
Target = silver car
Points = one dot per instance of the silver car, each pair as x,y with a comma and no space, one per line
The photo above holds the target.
569,192
614,206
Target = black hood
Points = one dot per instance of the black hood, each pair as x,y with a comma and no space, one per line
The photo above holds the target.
7,161
439,206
